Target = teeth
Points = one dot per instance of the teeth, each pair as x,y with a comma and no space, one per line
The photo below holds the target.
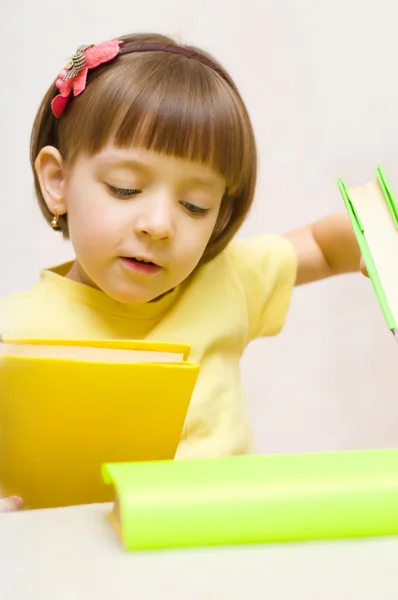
143,260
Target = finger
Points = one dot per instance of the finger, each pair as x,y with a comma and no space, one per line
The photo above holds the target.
10,504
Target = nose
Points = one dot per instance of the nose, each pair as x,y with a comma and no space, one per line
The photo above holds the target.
155,219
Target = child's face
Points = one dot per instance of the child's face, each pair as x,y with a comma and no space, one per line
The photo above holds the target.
126,204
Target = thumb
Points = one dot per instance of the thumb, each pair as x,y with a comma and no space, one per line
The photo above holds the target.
10,504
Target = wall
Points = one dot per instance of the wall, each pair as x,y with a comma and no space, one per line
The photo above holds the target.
319,80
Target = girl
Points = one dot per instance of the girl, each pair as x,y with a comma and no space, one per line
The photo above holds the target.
143,155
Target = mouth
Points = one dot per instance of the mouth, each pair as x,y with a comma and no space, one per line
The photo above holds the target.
141,265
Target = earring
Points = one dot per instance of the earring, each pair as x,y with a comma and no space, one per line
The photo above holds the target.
54,222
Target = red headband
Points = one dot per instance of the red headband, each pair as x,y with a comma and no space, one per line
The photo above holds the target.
73,78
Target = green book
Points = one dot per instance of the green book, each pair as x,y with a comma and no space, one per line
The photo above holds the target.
255,499
374,216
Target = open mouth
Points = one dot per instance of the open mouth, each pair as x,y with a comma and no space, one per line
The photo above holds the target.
140,264
142,261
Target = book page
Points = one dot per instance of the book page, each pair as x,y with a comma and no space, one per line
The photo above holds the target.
114,355
381,235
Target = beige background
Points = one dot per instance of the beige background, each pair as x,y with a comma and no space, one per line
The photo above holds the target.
320,81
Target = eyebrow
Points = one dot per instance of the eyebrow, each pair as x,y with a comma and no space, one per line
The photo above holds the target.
201,181
124,163
142,166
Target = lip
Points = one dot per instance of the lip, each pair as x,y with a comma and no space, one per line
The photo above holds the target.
142,268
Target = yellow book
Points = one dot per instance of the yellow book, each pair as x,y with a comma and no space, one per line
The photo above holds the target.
68,406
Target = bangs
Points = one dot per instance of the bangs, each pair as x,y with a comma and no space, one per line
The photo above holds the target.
166,103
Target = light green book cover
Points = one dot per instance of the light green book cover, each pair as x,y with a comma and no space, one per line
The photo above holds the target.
374,217
255,499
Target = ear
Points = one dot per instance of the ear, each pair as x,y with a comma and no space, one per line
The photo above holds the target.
51,175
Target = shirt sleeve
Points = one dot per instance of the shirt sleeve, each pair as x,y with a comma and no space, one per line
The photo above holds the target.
266,268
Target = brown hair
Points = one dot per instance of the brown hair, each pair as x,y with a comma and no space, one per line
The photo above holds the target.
166,103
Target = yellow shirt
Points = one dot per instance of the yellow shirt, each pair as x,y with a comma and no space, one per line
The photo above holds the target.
242,294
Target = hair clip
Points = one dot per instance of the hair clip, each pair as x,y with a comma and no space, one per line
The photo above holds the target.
73,78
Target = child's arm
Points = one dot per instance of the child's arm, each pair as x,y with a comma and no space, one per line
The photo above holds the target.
325,248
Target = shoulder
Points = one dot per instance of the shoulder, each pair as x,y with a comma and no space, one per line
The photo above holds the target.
15,302
271,255
13,310
33,312
16,311
266,268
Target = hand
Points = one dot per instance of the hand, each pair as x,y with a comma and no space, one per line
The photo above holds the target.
10,504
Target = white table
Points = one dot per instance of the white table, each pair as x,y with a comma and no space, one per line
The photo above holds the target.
73,554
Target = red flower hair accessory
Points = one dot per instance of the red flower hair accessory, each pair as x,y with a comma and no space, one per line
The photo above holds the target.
72,79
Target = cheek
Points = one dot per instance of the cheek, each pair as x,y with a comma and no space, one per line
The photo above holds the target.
89,226
196,238
92,226
88,208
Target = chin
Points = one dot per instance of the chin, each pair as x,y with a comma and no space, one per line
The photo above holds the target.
125,294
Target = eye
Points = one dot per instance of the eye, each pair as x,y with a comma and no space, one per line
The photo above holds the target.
195,210
123,192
